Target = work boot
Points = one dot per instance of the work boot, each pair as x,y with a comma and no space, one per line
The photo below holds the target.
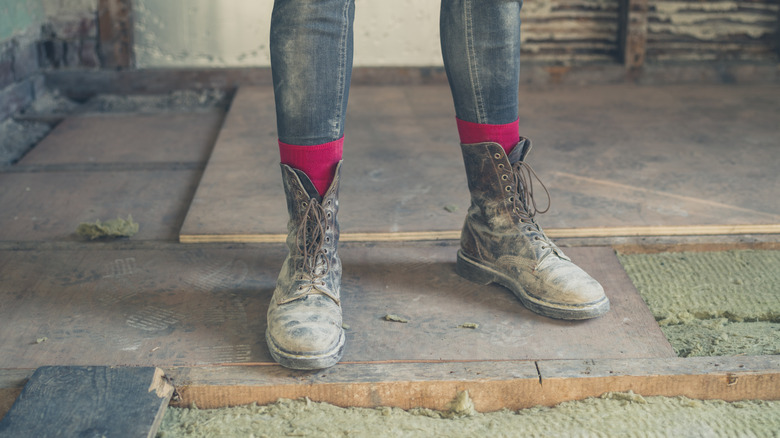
502,243
304,317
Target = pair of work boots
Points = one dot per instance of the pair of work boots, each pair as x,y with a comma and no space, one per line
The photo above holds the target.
500,243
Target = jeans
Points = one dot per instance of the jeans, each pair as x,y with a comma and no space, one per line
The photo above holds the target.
311,62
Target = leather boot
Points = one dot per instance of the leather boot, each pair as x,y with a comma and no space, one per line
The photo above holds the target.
502,243
304,317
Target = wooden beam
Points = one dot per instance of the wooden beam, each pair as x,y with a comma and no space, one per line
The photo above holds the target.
632,38
90,401
690,230
115,34
492,385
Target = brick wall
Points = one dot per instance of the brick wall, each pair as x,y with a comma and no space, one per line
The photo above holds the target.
63,35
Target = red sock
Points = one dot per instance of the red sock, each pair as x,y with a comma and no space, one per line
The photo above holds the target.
318,162
506,135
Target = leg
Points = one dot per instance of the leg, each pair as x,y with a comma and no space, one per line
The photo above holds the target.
311,57
480,42
501,241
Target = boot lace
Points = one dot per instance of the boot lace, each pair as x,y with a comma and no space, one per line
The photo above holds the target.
315,263
524,203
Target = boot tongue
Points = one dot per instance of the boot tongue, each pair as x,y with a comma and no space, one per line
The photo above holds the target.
519,152
311,191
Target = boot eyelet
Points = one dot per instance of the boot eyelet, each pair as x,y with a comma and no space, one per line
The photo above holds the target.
508,188
500,165
325,250
497,156
512,199
329,215
327,240
304,204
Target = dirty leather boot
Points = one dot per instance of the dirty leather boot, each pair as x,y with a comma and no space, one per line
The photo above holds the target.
304,317
502,243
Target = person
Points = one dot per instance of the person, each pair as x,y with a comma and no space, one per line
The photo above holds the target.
311,61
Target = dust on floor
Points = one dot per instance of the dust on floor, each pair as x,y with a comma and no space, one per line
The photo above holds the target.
614,414
712,303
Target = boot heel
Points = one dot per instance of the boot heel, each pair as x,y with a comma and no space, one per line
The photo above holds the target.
472,272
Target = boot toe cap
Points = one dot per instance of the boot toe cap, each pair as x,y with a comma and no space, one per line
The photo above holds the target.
306,327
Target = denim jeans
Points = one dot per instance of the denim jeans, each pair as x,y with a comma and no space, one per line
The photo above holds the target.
311,63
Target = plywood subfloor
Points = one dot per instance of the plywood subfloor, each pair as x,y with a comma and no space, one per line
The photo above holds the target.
177,306
619,160
103,166
129,138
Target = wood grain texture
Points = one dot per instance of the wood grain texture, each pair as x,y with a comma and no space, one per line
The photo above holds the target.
49,206
89,401
115,25
569,31
597,149
205,305
492,385
724,31
129,138
633,33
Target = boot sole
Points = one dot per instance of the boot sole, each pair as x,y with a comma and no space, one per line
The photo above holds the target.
484,274
298,361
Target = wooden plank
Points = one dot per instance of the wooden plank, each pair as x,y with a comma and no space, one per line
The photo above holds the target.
691,31
191,305
649,185
492,385
89,401
632,38
694,230
45,206
115,25
569,31
129,138
11,383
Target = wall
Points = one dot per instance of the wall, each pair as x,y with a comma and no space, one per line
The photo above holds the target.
182,33
229,33
722,30
20,21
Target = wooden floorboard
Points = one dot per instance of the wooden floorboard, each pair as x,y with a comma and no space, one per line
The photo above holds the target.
89,401
49,206
189,305
616,159
492,385
129,138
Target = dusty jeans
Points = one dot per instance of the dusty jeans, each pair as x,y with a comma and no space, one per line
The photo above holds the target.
311,61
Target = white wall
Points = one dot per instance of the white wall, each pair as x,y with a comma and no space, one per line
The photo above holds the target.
234,33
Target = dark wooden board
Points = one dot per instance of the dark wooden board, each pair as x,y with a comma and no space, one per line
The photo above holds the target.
492,385
198,305
618,160
46,206
129,138
89,402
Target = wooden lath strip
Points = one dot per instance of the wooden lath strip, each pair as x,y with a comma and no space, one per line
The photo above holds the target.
491,385
686,230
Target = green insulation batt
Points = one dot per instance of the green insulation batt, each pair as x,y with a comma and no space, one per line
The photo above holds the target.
712,303
612,415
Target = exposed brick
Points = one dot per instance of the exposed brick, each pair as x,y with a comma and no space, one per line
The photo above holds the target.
88,54
73,28
25,60
51,53
6,63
